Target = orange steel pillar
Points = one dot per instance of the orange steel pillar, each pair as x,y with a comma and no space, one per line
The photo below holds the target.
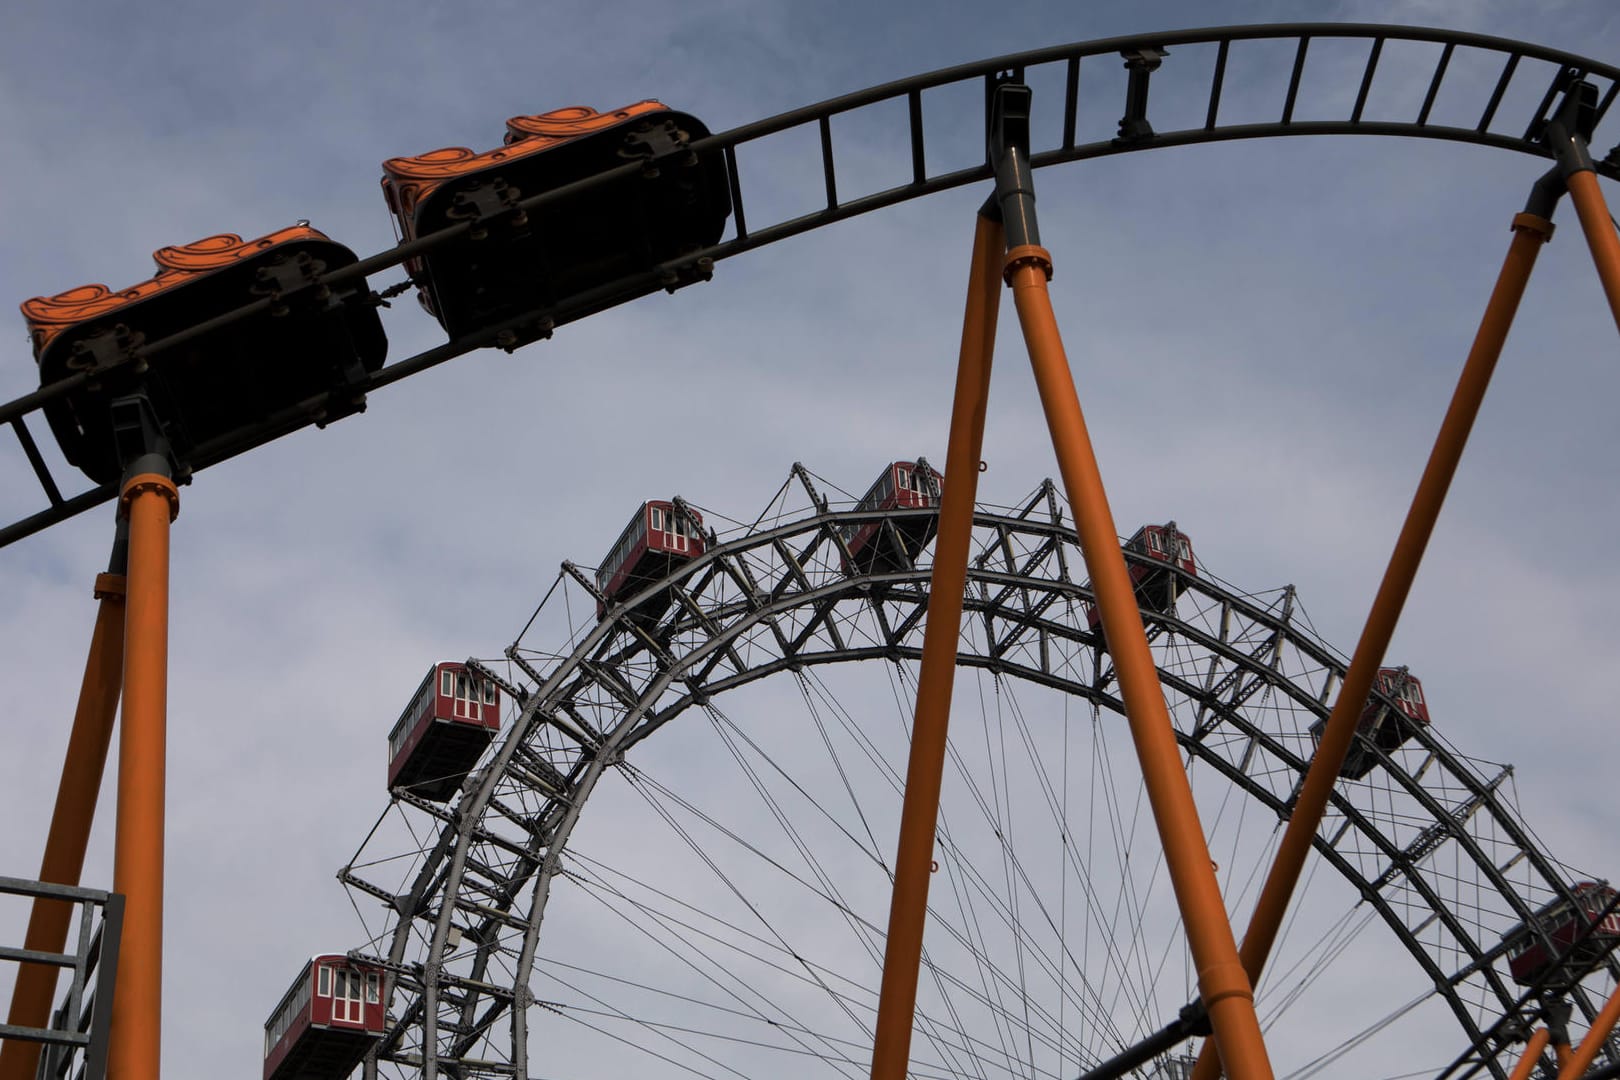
70,822
1530,232
1532,1054
1223,986
1586,1053
1600,233
151,502
1567,135
908,909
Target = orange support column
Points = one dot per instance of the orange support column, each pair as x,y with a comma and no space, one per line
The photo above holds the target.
908,908
1581,1060
1530,232
1532,1054
1223,986
151,502
76,795
1600,233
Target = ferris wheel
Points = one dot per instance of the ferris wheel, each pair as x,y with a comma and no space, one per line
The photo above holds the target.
737,726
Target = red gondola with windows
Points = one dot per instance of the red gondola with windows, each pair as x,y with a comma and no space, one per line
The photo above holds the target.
1156,586
888,546
330,1016
1531,960
568,258
659,538
1386,726
443,732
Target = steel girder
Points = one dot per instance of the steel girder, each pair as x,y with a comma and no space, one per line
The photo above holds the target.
1427,840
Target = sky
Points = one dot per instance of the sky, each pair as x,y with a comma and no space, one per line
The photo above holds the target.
1264,335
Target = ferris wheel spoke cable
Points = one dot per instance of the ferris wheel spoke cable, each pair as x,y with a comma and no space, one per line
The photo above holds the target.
870,929
730,733
806,969
751,906
569,1015
680,928
1315,1066
843,775
1122,846
1001,977
1058,808
672,926
985,890
978,952
956,867
969,918
799,1034
1038,767
1317,960
811,688
1001,796
1098,1009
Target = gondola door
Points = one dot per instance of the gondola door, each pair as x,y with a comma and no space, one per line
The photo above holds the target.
466,706
348,997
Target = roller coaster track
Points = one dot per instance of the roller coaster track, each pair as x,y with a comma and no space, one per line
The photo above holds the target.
1547,72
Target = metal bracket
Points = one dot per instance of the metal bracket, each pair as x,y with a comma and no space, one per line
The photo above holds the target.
1567,132
106,349
283,279
1141,63
657,143
1007,143
485,202
1192,1020
139,438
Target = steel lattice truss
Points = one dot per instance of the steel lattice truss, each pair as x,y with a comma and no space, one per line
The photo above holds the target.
1426,840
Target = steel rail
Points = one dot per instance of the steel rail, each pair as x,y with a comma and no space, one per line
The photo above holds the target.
909,90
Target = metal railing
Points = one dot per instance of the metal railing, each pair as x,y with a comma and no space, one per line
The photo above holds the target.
80,1023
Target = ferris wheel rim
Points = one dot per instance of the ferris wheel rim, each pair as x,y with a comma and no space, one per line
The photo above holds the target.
821,524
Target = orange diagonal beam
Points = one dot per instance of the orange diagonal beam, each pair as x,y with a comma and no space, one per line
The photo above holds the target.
1223,986
1529,233
75,811
908,908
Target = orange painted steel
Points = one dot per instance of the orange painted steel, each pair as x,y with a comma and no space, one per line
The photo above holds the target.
76,794
1600,233
1587,1052
152,502
908,907
1532,1054
1530,232
1223,986
1562,1054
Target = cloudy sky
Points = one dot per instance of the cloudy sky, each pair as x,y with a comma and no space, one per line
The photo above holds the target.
1264,336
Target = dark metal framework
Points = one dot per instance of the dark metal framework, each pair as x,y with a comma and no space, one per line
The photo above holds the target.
1144,55
1428,842
80,1025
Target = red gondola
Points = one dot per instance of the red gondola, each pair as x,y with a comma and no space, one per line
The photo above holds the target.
880,547
327,1020
570,257
658,539
443,731
1529,958
1156,586
1381,725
